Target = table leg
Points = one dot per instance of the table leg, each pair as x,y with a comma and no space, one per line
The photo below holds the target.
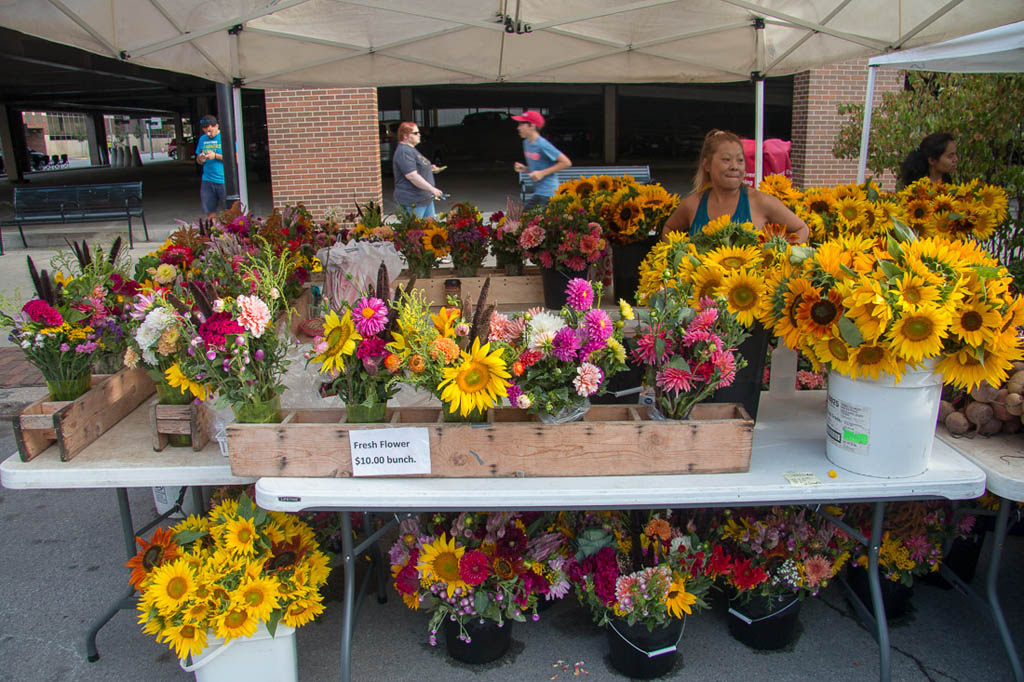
349,611
881,624
998,538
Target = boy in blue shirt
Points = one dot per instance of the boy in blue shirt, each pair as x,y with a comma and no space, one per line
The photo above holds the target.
208,155
542,159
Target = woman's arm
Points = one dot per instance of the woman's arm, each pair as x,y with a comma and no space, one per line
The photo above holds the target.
416,179
777,212
680,219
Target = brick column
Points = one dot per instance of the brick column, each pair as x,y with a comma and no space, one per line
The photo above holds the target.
816,121
324,148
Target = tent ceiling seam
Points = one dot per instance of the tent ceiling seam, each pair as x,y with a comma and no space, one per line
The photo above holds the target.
924,24
85,26
177,27
797,22
606,13
807,36
394,7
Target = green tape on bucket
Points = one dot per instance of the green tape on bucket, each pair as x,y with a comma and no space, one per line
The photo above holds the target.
855,437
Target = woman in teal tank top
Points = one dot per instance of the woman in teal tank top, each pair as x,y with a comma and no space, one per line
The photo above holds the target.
719,190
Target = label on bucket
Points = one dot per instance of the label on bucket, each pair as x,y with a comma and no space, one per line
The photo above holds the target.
848,426
390,452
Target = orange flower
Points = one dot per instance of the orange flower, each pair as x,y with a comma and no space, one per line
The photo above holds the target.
517,368
659,528
416,363
392,362
160,549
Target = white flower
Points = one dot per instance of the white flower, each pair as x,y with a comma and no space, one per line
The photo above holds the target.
218,305
544,322
523,401
275,294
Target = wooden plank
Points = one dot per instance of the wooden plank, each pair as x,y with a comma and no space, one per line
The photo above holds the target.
202,426
160,440
88,417
525,290
612,440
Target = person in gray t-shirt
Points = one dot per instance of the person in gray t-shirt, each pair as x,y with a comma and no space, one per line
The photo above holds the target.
414,174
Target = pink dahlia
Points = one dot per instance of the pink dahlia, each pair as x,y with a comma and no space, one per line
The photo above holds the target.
545,259
675,379
565,344
725,362
598,327
474,567
576,263
588,379
817,569
579,294
253,314
371,316
704,319
531,237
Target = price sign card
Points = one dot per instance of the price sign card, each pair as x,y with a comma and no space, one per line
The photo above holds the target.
390,452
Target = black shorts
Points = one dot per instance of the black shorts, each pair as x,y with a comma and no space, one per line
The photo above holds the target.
211,195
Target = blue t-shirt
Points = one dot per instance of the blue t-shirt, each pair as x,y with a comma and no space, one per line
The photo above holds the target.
539,156
213,169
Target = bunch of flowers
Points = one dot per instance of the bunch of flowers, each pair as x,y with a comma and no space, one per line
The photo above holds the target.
226,573
159,338
505,228
866,306
689,352
641,568
467,236
473,565
422,242
369,223
777,552
913,537
233,347
837,211
353,350
559,360
735,261
630,212
972,209
564,239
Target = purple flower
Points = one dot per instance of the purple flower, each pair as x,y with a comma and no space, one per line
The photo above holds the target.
64,348
370,315
565,344
513,394
371,347
598,328
211,355
579,294
259,354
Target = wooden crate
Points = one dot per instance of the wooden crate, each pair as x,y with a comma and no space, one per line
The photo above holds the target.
75,424
611,440
191,420
522,291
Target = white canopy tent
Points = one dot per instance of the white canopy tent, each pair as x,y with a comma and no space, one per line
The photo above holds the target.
321,43
998,50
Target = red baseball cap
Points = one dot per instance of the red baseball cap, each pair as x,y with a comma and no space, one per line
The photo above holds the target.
531,116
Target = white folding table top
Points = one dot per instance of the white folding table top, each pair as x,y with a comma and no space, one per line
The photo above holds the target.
1000,457
789,438
123,457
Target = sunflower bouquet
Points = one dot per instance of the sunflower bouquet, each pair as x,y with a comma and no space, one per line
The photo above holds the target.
353,351
840,210
422,242
369,223
630,212
467,238
469,566
563,239
561,359
777,552
689,352
225,574
638,568
972,209
866,306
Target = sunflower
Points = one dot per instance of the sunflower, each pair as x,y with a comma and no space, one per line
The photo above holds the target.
833,351
919,332
744,293
819,316
867,306
994,199
850,212
677,599
654,197
240,536
186,640
604,183
176,379
831,256
963,369
915,290
478,382
706,281
172,584
584,188
627,215
160,549
819,200
777,185
235,622
873,360
301,612
975,323
787,326
439,562
435,240
735,257
919,211
260,596
340,335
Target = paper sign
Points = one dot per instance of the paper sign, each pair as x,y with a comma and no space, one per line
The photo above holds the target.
802,478
390,452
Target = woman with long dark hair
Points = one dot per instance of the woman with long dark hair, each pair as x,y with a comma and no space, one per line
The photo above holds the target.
935,158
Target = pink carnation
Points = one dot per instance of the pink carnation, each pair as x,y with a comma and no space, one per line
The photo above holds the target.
253,314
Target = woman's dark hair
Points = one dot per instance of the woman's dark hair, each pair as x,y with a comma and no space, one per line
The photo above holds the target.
915,166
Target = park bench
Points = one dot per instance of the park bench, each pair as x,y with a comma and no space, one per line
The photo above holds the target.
641,174
76,204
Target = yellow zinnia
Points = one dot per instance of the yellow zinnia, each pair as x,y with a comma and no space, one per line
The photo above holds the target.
477,382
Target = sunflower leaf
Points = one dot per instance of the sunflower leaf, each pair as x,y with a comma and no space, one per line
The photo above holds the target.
186,537
893,247
799,254
244,506
849,331
903,233
275,618
849,272
891,270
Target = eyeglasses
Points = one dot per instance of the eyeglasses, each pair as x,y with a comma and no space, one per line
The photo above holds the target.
414,132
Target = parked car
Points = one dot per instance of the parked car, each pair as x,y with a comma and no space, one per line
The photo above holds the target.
484,135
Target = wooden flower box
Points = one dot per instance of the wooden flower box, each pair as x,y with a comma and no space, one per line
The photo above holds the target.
611,440
75,424
191,420
507,291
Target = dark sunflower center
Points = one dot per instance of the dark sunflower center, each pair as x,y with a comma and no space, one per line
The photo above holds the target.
282,560
177,587
912,294
971,321
819,206
824,312
151,557
871,355
235,619
838,349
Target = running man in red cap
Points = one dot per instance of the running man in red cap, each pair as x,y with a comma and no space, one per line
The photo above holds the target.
542,159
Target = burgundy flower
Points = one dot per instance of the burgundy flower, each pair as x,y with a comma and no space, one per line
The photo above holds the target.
474,567
40,311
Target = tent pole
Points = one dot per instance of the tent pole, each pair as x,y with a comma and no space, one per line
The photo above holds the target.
865,131
236,96
758,78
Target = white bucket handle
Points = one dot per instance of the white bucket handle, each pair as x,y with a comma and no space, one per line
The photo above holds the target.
656,652
206,659
749,621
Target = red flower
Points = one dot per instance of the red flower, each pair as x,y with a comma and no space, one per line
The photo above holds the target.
747,577
720,563
528,357
40,311
474,567
408,580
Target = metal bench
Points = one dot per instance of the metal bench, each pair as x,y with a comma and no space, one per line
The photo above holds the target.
76,204
641,174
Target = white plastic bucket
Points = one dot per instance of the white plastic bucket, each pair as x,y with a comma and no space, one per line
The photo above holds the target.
257,658
880,428
164,497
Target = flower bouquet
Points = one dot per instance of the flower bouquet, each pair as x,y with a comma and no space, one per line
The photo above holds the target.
629,211
474,573
689,352
467,238
422,242
561,359
505,228
562,239
226,574
353,351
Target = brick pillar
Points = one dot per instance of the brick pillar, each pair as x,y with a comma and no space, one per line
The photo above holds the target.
816,121
324,148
